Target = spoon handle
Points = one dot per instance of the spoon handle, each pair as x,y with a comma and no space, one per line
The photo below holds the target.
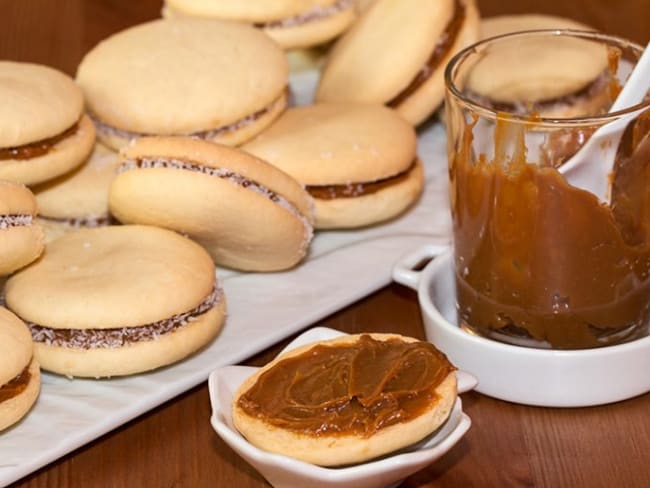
636,86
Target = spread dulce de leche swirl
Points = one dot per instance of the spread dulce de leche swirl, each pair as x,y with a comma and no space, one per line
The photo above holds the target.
349,388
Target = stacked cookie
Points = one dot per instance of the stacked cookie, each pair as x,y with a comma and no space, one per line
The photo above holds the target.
118,300
78,199
293,24
19,372
21,238
357,161
43,130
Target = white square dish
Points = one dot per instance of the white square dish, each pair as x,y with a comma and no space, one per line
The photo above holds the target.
285,472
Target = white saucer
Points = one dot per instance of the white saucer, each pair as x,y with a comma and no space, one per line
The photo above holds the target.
544,377
285,472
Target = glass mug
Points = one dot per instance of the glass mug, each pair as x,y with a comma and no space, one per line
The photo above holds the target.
539,262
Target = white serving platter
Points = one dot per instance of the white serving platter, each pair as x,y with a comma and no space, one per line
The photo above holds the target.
262,309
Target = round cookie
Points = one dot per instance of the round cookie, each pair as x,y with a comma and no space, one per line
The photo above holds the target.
80,198
291,23
21,239
210,79
358,161
20,379
396,53
247,213
552,76
505,24
118,300
349,417
43,132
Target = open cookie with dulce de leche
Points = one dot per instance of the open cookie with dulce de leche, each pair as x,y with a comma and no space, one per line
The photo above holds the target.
347,400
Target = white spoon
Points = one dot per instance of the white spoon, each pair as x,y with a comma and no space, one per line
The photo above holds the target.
591,166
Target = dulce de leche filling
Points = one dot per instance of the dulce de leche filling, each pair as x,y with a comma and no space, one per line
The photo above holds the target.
110,130
38,148
16,386
351,190
15,220
314,14
440,51
349,389
112,338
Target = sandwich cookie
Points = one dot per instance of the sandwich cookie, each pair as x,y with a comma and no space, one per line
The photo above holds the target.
247,213
291,23
209,79
549,76
358,161
396,53
43,132
20,377
506,24
78,199
118,300
346,400
21,239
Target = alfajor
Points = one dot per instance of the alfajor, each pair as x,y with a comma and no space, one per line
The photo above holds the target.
21,239
78,199
209,79
118,300
20,378
396,53
546,75
247,213
506,24
43,132
291,23
346,400
357,161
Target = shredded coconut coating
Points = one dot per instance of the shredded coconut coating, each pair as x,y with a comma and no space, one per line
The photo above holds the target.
316,13
226,174
209,134
89,221
112,338
15,220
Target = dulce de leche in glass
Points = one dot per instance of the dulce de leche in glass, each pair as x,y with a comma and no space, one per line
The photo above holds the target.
540,262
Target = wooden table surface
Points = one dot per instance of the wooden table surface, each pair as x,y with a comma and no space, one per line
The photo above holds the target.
507,445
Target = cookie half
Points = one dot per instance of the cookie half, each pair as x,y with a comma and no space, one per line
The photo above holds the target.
209,79
396,53
357,161
20,379
291,23
43,131
346,400
21,238
247,213
118,300
78,199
